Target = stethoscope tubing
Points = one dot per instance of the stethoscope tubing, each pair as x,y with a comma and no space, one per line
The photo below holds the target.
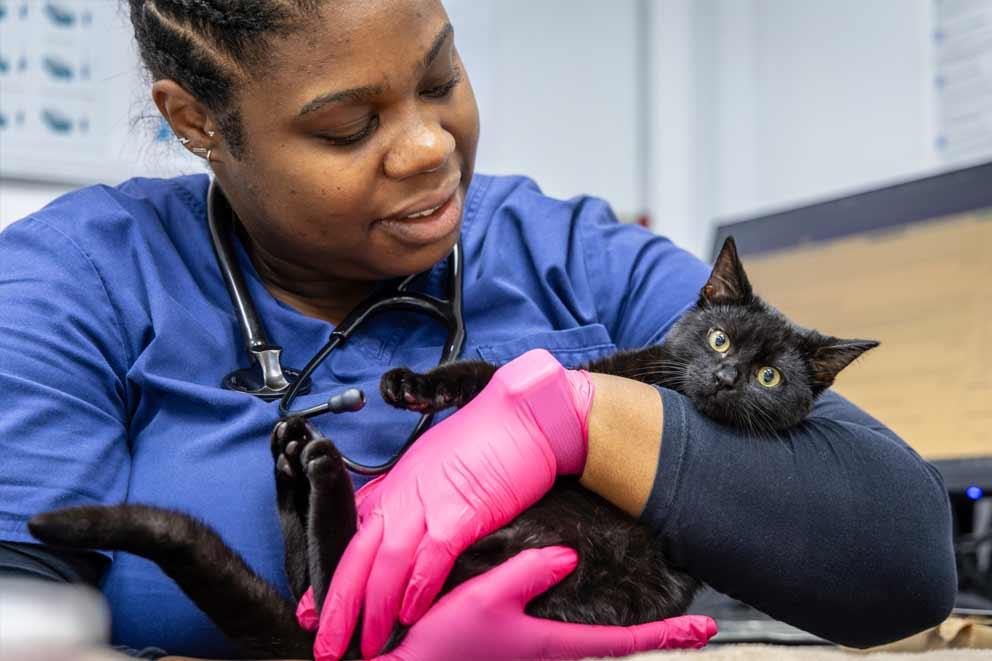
266,355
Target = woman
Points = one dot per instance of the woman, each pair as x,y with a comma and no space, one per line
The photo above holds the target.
332,127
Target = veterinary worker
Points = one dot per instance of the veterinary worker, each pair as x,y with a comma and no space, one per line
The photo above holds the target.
343,135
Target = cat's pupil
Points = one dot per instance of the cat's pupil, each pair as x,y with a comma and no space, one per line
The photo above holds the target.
720,340
767,375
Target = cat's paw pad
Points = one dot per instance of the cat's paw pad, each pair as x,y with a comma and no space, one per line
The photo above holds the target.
405,389
321,458
289,438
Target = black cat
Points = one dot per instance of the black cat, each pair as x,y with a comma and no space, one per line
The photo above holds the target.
737,359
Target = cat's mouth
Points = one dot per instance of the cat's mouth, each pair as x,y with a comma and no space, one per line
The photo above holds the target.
723,393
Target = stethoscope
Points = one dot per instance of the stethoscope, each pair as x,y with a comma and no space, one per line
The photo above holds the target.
267,379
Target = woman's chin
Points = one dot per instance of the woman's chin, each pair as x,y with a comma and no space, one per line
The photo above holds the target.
404,259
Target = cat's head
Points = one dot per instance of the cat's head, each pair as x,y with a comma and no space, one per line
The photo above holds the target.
745,364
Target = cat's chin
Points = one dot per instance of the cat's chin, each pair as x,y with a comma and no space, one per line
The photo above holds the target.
719,409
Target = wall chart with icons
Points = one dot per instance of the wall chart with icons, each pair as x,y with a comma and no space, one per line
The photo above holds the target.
71,96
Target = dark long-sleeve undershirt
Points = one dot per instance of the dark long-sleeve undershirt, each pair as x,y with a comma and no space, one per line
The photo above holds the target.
836,526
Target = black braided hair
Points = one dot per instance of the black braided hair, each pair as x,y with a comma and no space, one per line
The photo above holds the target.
209,46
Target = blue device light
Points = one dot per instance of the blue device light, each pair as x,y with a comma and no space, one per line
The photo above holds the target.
974,492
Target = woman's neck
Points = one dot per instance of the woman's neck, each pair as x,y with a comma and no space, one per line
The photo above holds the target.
306,291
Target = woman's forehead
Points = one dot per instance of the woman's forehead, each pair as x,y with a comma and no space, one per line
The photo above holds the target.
354,43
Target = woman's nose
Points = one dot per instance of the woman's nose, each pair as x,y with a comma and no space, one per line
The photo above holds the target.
424,147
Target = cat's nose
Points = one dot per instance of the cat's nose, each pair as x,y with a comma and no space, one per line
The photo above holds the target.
726,375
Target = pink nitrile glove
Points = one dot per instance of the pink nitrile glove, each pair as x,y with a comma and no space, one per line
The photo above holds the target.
484,619
463,479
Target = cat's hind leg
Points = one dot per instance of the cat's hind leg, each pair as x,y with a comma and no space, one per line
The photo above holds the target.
331,516
454,384
288,439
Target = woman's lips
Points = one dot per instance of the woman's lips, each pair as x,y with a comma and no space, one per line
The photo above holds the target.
427,229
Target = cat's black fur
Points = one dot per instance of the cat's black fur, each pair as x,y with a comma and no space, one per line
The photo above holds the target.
623,576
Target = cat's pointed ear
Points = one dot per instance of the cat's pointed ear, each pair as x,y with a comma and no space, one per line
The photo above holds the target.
728,283
830,355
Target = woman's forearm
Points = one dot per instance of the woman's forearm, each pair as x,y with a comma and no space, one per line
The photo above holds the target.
835,526
625,424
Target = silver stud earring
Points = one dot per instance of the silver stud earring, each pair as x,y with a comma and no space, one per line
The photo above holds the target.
211,133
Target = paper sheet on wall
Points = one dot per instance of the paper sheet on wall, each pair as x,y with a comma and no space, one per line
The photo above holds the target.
70,94
963,47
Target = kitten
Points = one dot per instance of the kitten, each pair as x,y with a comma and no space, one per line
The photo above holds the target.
736,358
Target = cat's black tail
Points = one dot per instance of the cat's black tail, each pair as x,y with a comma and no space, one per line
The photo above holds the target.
249,611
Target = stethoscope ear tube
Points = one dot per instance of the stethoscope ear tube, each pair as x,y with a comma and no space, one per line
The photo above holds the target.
219,215
275,380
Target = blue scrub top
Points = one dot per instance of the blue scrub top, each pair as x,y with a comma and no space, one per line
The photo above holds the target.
116,331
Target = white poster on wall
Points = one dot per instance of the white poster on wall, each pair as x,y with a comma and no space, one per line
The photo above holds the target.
73,107
963,79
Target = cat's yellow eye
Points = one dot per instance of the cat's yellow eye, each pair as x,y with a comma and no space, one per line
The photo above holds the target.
769,377
719,340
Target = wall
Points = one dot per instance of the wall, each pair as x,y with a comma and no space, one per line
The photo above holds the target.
559,89
843,97
752,104
762,104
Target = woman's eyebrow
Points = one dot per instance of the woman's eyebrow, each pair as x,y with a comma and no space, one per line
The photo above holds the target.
366,92
435,48
355,94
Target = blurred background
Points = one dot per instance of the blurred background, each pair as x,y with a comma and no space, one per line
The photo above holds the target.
680,111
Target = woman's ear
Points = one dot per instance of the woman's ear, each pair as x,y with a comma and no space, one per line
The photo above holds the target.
187,116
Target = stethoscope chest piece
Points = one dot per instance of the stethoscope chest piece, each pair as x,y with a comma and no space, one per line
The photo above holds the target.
266,379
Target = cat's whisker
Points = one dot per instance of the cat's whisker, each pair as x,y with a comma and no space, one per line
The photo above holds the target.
764,423
650,372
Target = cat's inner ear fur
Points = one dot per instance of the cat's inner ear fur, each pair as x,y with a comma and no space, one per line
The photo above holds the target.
728,283
831,355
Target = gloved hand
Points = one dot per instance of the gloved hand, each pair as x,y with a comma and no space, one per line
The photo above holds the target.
463,479
483,618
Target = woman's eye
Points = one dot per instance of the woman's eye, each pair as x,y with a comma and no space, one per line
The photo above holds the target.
443,89
769,377
345,140
719,340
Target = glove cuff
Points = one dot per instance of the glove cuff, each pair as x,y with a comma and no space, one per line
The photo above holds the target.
557,400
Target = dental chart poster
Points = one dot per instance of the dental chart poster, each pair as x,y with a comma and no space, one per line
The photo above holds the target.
72,106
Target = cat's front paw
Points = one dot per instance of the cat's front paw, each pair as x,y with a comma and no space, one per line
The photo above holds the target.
405,389
290,437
